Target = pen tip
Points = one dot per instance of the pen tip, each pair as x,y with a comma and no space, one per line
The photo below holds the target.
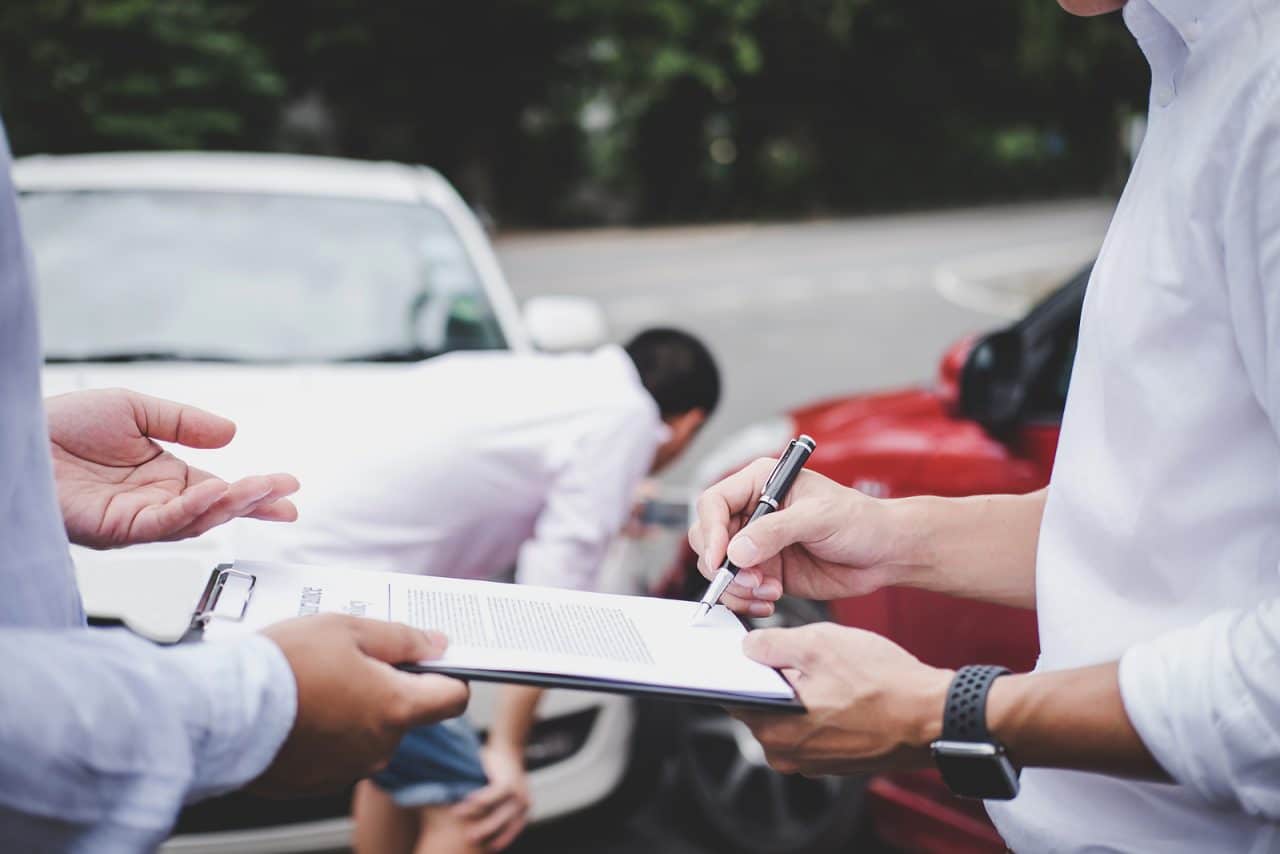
698,612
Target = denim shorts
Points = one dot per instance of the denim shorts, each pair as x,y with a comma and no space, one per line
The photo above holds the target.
435,764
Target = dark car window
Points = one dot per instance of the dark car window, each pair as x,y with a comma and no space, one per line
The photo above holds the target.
1047,392
142,275
1021,373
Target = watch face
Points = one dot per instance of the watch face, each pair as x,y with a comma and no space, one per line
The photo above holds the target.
991,776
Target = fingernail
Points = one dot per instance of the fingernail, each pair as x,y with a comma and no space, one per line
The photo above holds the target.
437,638
767,590
743,551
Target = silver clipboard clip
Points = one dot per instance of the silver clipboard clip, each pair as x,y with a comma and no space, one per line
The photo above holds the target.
205,610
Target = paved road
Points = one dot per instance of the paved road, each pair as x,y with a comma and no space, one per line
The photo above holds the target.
795,313
798,312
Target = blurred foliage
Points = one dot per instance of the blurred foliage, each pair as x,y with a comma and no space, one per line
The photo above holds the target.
567,111
141,73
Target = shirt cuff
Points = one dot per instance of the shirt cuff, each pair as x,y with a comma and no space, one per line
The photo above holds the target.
1195,710
245,701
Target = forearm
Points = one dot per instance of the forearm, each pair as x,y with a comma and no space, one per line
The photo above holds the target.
982,547
124,732
1071,719
514,716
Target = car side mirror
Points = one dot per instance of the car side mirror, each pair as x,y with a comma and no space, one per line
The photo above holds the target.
558,323
992,382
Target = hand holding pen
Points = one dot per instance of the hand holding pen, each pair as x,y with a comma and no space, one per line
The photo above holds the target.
771,497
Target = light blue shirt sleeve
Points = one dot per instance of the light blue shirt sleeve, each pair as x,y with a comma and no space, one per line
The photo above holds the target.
104,736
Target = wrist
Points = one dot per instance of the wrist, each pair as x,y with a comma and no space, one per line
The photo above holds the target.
914,523
928,703
506,744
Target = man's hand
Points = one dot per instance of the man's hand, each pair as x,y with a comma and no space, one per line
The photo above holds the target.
117,487
872,705
826,542
353,706
496,814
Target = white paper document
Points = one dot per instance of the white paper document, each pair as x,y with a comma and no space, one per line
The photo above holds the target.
508,628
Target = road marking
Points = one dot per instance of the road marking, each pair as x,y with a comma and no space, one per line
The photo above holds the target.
1006,282
780,292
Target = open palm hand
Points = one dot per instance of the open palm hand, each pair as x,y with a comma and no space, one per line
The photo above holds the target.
117,486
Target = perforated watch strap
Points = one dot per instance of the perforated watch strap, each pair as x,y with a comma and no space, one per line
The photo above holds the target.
965,717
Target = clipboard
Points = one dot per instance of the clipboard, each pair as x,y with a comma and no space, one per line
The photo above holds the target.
612,686
223,601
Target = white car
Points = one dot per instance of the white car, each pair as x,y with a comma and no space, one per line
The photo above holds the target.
228,280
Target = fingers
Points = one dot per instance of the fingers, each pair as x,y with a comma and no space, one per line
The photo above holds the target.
243,498
481,801
734,495
793,649
175,422
768,535
513,829
421,698
497,829
161,521
747,605
397,643
751,586
429,697
283,510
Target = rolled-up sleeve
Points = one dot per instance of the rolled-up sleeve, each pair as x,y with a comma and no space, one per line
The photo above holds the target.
105,736
1206,702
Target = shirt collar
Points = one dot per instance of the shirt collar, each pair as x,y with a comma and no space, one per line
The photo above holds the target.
1188,19
1162,43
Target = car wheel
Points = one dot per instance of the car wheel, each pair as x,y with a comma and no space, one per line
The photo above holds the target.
733,799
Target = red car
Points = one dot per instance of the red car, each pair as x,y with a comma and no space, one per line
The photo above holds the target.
989,424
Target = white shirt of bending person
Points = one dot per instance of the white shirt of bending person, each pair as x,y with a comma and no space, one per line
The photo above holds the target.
467,465
1160,544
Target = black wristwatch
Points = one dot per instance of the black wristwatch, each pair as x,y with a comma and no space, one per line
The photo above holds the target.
972,762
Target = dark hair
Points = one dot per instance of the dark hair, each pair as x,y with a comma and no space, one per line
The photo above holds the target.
677,369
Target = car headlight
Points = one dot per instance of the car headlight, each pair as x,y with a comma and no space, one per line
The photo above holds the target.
766,438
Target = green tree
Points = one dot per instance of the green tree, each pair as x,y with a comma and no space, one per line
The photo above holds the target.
90,74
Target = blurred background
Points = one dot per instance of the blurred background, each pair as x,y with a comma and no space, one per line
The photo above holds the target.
861,205
549,113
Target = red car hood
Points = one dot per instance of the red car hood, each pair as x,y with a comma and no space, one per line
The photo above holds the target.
904,421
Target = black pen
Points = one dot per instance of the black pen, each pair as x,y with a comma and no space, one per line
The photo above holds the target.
775,490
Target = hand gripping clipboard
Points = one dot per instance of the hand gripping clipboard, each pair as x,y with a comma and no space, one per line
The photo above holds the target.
134,593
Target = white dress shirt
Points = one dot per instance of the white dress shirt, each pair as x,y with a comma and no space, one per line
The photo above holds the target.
1160,544
473,463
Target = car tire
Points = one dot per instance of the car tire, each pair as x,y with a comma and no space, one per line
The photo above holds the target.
730,799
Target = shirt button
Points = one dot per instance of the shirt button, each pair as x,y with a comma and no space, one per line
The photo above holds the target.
1164,94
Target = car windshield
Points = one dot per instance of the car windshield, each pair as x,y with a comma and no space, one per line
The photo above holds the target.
162,275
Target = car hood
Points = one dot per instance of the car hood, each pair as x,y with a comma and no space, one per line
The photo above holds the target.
253,396
863,416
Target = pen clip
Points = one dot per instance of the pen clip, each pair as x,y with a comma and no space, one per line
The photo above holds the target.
782,459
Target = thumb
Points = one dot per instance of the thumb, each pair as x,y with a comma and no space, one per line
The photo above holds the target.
176,422
396,643
768,535
430,697
783,648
